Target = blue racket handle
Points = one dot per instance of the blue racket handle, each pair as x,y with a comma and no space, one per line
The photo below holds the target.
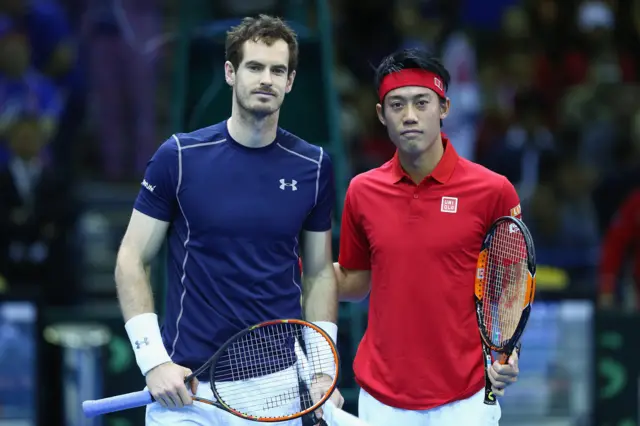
116,403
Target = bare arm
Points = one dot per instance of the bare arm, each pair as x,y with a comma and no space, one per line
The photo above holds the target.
320,299
320,291
141,243
353,285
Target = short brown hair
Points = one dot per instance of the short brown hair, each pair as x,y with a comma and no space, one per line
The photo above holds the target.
266,29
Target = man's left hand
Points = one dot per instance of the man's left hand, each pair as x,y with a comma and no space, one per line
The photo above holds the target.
502,376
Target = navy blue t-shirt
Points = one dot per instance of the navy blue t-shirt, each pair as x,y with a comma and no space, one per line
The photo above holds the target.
235,214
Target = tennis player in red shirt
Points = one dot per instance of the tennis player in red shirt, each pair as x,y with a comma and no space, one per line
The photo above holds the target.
411,233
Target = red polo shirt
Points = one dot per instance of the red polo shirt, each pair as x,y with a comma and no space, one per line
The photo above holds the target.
421,242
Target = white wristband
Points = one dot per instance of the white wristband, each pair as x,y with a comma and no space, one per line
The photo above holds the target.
327,364
330,328
144,334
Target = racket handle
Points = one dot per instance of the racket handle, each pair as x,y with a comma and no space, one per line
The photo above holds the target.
126,401
312,419
504,358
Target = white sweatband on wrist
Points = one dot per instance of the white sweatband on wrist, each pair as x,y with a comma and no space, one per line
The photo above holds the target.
327,364
330,328
144,334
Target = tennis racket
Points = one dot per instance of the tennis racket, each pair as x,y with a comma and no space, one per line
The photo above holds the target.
286,356
504,288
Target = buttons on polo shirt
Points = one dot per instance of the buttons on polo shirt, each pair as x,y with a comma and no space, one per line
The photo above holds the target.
415,195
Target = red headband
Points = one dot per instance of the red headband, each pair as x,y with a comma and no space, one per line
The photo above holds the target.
411,77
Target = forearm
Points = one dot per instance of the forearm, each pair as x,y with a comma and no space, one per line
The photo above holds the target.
350,288
132,285
320,298
320,303
136,303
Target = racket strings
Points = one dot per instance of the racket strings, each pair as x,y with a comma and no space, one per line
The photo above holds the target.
505,283
267,369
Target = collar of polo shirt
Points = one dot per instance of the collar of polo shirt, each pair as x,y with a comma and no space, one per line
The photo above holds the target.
443,171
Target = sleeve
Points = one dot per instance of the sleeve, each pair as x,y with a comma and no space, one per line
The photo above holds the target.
320,218
508,202
157,195
355,252
617,239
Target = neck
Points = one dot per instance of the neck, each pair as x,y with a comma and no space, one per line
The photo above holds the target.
419,166
252,131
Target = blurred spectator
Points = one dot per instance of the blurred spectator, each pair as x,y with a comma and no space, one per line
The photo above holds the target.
22,87
526,62
526,152
598,59
459,57
550,21
122,57
616,185
35,215
54,53
418,24
621,246
372,146
563,224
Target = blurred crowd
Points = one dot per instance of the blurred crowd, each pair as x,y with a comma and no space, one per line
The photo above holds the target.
542,91
77,100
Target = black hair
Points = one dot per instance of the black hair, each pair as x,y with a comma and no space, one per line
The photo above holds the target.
411,58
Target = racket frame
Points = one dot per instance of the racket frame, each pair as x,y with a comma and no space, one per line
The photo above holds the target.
513,343
219,402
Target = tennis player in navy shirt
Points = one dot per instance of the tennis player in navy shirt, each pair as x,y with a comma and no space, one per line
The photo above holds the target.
232,200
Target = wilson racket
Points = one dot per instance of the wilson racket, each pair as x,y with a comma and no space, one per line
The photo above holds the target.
271,372
504,288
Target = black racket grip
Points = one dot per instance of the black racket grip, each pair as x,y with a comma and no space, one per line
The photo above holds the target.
313,420
489,397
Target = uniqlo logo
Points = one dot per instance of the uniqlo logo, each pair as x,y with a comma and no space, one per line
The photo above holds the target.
449,205
438,83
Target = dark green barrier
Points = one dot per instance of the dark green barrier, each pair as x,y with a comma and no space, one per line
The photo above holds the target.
617,364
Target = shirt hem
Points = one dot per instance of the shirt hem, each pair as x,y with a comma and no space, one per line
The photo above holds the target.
149,212
422,405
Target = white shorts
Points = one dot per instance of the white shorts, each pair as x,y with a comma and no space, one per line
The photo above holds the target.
208,415
468,412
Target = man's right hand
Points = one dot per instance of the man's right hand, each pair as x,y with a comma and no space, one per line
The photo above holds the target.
166,384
